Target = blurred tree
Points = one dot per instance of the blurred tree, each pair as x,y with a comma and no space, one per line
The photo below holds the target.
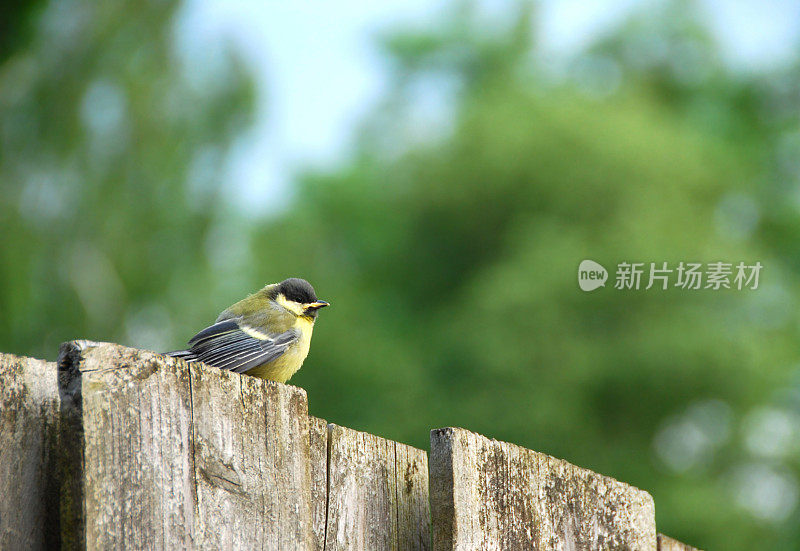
16,18
111,154
450,246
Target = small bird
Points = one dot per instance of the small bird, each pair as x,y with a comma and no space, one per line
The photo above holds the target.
267,334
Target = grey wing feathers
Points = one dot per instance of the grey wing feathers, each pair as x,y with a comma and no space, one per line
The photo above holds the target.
184,354
226,346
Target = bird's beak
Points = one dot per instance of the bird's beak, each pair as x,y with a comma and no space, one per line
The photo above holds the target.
317,305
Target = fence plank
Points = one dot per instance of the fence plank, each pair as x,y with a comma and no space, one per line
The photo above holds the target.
377,493
488,495
666,543
253,462
28,431
318,431
180,456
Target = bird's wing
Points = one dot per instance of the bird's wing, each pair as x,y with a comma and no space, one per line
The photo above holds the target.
234,346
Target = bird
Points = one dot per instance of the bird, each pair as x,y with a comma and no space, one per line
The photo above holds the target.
267,334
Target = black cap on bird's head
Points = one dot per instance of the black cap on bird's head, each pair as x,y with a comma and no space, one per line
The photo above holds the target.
300,291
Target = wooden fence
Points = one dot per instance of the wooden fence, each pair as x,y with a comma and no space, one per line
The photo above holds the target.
117,448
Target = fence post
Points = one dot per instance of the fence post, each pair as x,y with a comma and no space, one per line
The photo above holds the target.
318,431
377,493
183,456
28,434
490,495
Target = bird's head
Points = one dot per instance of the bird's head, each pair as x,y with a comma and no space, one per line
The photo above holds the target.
298,297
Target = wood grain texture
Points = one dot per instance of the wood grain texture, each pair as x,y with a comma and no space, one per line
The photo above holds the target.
318,432
252,460
666,543
377,493
28,431
184,456
492,495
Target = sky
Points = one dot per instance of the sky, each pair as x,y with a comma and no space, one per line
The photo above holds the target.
318,71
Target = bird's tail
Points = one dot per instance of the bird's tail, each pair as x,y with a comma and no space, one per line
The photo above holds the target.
182,354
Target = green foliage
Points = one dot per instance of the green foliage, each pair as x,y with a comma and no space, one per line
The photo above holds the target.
447,246
104,221
451,266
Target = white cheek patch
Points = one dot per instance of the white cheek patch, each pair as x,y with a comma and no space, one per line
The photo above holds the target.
294,307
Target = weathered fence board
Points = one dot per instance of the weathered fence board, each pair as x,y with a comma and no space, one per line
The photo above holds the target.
377,493
666,543
28,432
180,456
490,495
318,431
253,462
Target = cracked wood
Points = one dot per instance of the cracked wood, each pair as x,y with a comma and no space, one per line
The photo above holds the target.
377,493
494,495
28,431
180,456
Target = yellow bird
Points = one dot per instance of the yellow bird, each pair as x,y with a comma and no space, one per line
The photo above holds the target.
267,334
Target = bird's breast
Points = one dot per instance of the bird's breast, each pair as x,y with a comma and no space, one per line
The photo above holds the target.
282,368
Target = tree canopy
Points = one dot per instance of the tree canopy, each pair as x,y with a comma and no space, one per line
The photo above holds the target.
448,243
